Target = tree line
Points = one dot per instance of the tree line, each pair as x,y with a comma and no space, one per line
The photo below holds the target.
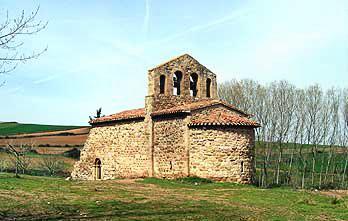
303,136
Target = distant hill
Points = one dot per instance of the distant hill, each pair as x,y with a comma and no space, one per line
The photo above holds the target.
14,128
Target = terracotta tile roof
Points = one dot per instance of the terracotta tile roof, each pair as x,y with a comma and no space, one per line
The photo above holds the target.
222,118
124,115
195,106
215,118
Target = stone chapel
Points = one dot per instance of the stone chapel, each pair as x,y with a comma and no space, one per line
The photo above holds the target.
184,130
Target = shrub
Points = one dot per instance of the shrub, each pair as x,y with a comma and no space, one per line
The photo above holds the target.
335,201
73,153
4,165
194,180
307,201
44,145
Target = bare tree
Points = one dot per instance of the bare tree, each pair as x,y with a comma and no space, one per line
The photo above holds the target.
344,135
297,129
303,134
52,164
12,36
314,105
21,161
329,126
284,106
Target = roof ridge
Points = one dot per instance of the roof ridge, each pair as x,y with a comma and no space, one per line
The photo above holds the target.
122,115
220,101
177,57
221,118
170,60
197,105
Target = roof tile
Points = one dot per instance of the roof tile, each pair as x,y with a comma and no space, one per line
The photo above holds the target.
220,117
217,117
194,106
124,115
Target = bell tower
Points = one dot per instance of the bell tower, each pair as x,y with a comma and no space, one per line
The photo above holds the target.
179,81
176,82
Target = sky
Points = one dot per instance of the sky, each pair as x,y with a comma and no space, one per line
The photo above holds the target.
99,51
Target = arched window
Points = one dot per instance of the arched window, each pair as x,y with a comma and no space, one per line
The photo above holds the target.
177,77
162,84
193,84
208,87
97,165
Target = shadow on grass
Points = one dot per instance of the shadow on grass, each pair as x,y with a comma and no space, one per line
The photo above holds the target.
193,182
113,209
37,172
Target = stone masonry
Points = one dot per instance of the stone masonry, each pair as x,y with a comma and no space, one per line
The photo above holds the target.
184,130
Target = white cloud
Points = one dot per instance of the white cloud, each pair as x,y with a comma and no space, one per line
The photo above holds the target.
147,16
46,79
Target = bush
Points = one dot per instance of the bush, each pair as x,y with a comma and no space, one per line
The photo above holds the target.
194,180
73,153
327,186
4,165
44,145
307,201
335,201
4,150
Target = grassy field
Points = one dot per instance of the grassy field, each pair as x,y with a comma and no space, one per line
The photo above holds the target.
14,128
37,198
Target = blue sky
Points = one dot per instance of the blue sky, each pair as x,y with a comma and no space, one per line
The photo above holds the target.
99,51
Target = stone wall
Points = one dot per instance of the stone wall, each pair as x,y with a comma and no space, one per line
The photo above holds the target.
122,149
170,150
222,153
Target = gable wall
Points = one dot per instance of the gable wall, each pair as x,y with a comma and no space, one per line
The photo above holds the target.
121,148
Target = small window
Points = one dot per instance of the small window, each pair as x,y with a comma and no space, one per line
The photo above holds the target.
208,87
162,84
241,166
97,165
177,83
193,84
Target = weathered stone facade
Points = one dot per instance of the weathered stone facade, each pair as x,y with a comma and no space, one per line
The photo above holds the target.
222,153
184,130
120,147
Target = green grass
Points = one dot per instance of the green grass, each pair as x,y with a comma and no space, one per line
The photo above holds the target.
45,198
14,128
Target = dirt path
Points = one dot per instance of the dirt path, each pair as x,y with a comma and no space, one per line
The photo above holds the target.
335,193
